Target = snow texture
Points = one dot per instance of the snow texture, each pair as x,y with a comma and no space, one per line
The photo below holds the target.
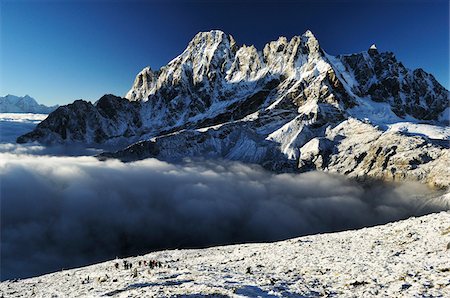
409,258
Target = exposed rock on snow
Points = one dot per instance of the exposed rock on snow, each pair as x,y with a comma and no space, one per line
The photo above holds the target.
218,99
143,84
353,148
360,150
409,258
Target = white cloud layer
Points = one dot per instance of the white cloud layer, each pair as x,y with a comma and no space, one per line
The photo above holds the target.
60,212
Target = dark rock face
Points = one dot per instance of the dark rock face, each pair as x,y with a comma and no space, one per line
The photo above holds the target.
84,122
137,151
384,79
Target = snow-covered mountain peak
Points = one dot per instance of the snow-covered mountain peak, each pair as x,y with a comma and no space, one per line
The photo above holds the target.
23,104
271,107
211,37
307,40
373,50
248,65
145,81
20,98
208,45
311,41
29,98
202,64
308,33
213,59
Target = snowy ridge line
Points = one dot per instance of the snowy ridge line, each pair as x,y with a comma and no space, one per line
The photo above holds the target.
266,106
408,258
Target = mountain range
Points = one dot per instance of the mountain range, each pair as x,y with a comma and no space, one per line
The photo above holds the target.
23,104
290,107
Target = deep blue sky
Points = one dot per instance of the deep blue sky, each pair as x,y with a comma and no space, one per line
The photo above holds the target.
59,51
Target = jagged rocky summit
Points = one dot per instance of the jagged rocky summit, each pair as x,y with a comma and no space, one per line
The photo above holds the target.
23,104
289,107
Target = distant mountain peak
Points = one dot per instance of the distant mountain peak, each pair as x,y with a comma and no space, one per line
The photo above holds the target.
309,33
210,39
25,104
373,51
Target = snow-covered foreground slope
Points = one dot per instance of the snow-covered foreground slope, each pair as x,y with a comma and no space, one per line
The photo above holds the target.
410,258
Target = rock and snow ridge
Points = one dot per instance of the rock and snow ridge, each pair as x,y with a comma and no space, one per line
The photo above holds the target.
24,104
288,107
409,258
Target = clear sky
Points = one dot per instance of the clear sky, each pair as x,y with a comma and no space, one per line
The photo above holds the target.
59,51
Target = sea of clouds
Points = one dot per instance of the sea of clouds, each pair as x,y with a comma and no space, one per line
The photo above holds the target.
65,211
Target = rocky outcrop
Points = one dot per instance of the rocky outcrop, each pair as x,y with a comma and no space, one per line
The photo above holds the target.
361,150
143,84
110,118
384,79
